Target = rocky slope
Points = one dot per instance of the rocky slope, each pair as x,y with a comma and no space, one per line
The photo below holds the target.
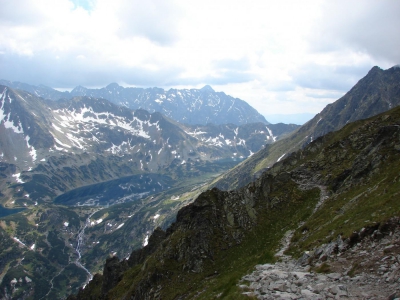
50,147
190,106
327,192
368,269
64,160
377,92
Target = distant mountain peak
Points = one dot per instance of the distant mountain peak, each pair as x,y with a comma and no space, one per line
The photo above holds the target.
78,89
375,93
190,106
112,86
207,88
375,69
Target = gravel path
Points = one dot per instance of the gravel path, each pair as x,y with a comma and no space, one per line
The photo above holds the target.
368,270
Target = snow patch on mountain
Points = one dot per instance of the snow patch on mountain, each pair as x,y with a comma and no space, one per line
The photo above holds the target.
89,119
146,240
96,222
281,157
17,177
19,241
60,143
6,118
271,134
32,150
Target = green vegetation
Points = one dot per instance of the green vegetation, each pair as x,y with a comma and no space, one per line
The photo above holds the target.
41,256
259,246
217,239
323,268
366,188
352,174
219,278
53,253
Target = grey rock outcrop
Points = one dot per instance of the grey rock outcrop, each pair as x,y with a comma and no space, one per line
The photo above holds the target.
366,269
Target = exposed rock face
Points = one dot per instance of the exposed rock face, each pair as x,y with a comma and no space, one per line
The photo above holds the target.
139,256
357,163
112,273
377,92
190,106
364,266
217,221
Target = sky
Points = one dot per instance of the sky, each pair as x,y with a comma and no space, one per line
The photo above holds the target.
282,57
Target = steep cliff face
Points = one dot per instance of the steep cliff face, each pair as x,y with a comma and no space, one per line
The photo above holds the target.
338,184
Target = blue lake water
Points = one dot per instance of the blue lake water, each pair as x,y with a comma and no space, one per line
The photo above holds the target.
9,211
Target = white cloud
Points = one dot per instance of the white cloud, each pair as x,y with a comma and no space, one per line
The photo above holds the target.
280,56
370,27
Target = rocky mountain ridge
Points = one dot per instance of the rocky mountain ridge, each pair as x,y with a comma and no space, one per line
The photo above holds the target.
88,140
377,92
338,184
96,178
190,106
215,268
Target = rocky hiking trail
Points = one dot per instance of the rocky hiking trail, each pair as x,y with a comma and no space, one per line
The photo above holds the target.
376,264
364,267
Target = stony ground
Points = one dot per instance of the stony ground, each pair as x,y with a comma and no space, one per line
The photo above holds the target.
368,270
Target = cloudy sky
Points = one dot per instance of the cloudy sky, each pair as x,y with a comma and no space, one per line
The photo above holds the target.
282,57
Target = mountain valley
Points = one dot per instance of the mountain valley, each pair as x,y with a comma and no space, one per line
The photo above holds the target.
187,210
49,148
93,178
328,197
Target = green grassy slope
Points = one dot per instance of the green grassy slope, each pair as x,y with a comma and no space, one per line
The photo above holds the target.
222,235
377,92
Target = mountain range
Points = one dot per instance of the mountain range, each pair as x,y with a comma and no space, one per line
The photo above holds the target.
327,198
97,185
51,147
377,92
190,106
335,185
96,177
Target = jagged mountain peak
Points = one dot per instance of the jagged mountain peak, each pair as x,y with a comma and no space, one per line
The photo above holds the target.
79,90
375,93
207,88
113,86
23,128
334,191
374,69
378,91
191,106
35,131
